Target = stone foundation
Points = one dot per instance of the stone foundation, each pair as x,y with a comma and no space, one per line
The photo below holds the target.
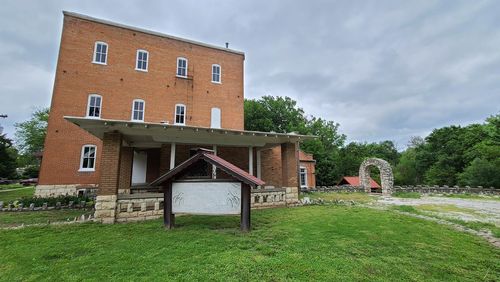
50,191
292,195
268,198
105,208
138,207
131,208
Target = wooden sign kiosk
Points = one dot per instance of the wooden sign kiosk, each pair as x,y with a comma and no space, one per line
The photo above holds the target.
191,188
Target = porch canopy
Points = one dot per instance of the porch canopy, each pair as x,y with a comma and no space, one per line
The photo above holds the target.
152,135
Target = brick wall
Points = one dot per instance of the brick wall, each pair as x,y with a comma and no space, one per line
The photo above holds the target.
111,153
119,84
271,166
127,156
289,164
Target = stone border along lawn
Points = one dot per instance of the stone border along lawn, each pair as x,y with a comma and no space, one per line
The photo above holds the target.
331,242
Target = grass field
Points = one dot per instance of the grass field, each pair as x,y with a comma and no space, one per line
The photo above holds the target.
306,243
8,196
356,197
9,219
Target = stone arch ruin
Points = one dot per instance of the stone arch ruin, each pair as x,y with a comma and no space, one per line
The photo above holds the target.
386,176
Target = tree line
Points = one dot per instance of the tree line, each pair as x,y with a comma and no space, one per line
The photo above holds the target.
451,155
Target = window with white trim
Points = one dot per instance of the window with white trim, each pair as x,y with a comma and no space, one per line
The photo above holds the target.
303,176
182,67
101,53
142,60
216,73
94,106
138,110
87,159
180,114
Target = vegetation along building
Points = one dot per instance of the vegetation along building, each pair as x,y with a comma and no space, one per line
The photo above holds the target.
130,104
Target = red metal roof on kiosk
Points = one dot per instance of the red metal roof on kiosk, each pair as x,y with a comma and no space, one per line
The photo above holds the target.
218,162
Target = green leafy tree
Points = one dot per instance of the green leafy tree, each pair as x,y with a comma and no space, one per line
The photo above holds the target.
405,173
30,136
278,114
481,172
7,158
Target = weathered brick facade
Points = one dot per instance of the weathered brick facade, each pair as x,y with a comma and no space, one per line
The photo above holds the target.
119,84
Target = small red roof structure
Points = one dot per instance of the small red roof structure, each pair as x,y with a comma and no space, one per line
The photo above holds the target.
211,158
354,181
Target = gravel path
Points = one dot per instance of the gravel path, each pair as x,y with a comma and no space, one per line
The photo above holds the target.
475,210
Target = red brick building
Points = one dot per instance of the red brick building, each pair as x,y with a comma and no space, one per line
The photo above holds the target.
128,104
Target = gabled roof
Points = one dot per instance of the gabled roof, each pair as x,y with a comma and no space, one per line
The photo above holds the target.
210,157
354,181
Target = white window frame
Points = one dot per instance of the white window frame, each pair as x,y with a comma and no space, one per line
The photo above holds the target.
220,74
88,106
94,56
305,176
143,110
137,60
177,70
82,157
175,114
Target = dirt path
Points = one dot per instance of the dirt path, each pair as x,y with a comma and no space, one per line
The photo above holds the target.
465,209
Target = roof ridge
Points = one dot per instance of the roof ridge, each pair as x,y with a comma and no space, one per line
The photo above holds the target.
146,31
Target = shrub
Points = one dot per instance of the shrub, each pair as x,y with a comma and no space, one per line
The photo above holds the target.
64,200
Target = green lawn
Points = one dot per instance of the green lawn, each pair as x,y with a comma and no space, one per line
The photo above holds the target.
8,196
345,196
305,243
8,219
10,186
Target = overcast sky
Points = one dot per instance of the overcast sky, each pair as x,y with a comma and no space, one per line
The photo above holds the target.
384,70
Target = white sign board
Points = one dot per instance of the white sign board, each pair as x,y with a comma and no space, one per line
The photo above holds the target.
213,198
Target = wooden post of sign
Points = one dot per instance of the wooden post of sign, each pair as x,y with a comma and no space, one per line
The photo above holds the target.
168,217
245,207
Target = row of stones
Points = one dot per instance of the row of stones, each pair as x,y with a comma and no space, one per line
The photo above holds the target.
21,207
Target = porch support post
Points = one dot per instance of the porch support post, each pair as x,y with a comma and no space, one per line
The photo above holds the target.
250,160
245,223
168,216
259,164
105,205
214,168
172,155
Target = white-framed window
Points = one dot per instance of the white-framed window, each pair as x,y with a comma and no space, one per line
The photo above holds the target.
100,53
303,176
88,157
216,73
182,67
180,114
142,60
138,107
94,106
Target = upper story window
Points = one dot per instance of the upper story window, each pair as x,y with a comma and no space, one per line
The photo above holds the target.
101,53
138,110
180,114
142,60
94,106
182,67
216,74
87,159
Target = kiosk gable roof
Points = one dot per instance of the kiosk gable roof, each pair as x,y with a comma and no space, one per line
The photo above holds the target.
218,162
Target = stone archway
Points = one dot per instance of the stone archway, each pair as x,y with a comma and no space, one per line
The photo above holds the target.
386,176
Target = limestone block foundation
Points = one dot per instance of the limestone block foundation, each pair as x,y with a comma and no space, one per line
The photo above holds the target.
50,191
105,208
292,195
